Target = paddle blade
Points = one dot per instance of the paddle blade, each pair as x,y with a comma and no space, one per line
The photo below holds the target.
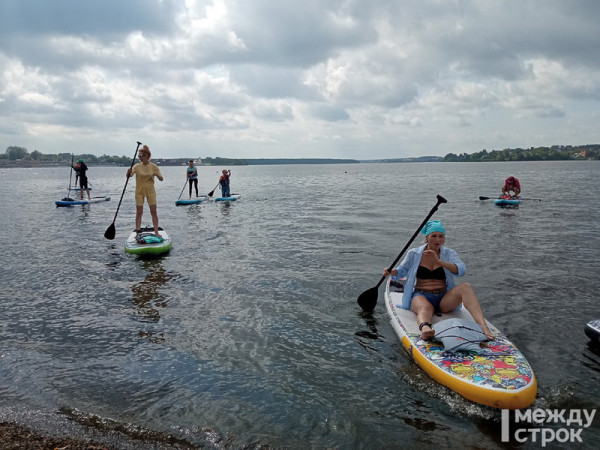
481,197
110,232
210,194
368,299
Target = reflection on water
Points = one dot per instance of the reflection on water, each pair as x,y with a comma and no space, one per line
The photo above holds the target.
592,353
225,208
365,338
194,211
148,298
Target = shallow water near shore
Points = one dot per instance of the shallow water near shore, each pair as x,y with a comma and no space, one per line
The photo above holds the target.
247,333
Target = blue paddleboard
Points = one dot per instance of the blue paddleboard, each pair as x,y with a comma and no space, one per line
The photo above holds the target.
507,201
81,202
231,198
191,201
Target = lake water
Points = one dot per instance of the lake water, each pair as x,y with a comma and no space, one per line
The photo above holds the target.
248,333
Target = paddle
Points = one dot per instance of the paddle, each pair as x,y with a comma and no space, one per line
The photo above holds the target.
481,197
368,299
210,194
186,180
67,198
110,231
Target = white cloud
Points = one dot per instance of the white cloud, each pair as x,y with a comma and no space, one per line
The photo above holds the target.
341,78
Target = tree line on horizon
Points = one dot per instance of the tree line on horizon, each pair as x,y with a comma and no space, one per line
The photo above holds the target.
15,154
21,154
554,153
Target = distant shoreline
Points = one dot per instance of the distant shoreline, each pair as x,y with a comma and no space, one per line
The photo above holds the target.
247,162
177,162
20,157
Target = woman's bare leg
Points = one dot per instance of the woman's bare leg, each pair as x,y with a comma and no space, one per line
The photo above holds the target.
424,311
139,211
463,293
154,219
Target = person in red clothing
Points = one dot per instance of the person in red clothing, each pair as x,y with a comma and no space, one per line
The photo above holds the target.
224,182
511,184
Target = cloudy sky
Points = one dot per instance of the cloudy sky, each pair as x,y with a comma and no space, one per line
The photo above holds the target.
286,78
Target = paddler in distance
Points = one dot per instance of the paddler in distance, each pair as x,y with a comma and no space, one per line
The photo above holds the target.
511,184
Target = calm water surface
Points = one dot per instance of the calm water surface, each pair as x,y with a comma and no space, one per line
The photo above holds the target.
248,334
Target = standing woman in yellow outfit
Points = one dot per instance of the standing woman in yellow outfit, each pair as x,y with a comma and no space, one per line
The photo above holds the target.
145,171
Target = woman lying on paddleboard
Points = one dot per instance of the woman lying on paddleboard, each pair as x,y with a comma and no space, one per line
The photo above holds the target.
429,271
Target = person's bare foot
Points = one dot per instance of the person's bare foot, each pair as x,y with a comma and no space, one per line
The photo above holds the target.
426,331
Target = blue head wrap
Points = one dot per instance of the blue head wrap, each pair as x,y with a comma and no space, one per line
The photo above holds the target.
432,226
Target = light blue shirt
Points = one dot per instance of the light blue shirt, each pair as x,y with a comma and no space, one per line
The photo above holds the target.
409,265
191,173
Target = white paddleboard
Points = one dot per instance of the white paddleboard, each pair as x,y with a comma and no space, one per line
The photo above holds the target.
497,376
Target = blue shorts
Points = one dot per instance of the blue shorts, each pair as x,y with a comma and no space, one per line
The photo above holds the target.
434,299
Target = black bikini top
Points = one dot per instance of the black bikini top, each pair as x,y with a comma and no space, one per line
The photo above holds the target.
436,274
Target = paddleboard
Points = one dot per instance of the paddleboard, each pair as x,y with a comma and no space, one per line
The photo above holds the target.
497,376
507,201
81,202
134,246
191,201
231,198
592,330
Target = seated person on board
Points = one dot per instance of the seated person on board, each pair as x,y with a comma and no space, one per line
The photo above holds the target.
511,184
430,285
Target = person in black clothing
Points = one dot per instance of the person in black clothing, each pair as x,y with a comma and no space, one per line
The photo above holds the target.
192,176
83,181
